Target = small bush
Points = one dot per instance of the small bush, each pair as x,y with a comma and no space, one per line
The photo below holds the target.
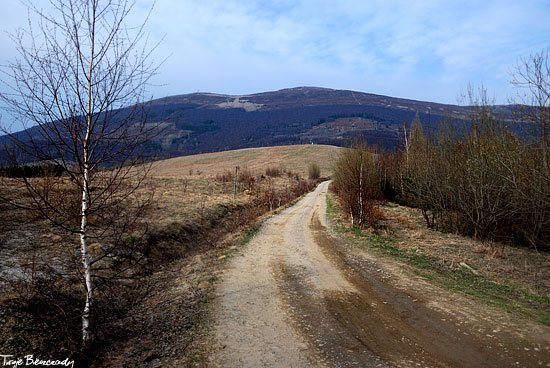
246,178
373,215
292,174
227,177
314,171
273,172
301,186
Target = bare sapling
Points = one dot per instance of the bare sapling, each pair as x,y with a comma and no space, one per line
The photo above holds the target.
79,84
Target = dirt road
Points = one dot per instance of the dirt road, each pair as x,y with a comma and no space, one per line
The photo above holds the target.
296,297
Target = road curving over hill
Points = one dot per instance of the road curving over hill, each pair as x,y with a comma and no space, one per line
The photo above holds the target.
296,298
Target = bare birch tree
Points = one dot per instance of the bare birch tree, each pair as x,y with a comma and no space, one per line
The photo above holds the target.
78,84
356,183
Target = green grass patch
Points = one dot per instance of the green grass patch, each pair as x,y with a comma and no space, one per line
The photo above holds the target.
331,209
496,293
246,236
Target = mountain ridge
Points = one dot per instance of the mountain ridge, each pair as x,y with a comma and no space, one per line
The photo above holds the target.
203,122
313,95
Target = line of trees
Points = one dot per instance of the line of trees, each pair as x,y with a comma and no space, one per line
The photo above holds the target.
487,177
31,171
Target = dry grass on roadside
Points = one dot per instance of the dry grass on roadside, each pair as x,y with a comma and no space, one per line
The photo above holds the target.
512,278
179,199
517,266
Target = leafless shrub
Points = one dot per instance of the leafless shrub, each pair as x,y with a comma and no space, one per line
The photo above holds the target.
492,249
269,196
273,172
356,184
301,186
314,171
247,179
184,185
226,177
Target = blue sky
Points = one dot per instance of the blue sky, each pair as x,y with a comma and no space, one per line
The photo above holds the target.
424,50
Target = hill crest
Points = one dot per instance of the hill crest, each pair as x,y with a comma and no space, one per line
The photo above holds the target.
204,122
304,96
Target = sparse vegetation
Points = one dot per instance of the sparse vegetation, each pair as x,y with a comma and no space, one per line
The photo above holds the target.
482,179
226,177
486,176
246,178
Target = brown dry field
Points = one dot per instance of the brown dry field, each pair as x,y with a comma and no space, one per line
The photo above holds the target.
184,189
294,158
186,186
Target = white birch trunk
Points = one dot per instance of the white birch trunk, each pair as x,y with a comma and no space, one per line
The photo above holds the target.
361,193
86,325
86,328
406,146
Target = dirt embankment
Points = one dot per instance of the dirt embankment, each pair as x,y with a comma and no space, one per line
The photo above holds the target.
296,297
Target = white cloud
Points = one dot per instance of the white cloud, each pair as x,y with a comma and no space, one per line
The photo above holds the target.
423,50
